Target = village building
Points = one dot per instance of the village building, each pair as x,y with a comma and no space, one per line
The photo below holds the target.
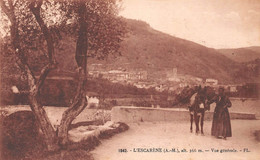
211,82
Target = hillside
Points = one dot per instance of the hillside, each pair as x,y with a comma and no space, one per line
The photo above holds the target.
147,49
154,51
242,54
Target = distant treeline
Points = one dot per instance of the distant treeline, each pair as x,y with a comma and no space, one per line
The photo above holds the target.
57,92
248,90
61,92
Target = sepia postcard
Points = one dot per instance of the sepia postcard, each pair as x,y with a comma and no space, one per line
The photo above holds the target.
130,79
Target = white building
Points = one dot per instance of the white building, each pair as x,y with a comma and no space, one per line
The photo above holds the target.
213,82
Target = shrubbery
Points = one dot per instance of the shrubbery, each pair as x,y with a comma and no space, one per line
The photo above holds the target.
60,93
21,136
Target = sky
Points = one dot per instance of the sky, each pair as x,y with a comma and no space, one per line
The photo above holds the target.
212,23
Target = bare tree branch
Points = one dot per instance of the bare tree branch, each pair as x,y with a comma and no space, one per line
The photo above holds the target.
43,75
19,53
35,8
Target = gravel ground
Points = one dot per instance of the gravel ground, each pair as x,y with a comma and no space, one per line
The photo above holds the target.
176,135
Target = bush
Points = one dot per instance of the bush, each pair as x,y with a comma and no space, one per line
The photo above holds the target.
20,136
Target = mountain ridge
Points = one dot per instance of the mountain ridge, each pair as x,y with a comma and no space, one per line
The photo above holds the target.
244,54
145,48
154,51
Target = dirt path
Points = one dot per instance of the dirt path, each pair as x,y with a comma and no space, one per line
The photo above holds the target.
177,135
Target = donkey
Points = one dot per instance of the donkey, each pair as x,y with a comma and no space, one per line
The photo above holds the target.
198,105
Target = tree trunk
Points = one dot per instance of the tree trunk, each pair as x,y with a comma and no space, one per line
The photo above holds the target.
45,124
49,133
78,105
35,86
79,102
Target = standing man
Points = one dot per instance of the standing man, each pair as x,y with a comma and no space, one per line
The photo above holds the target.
221,126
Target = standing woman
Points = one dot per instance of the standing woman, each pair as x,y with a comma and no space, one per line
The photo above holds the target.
221,126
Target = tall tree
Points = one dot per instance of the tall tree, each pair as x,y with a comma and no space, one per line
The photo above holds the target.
97,31
79,102
11,9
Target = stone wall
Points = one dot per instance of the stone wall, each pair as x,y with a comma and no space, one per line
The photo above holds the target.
139,114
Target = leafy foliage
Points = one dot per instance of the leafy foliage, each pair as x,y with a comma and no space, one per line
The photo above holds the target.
105,30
